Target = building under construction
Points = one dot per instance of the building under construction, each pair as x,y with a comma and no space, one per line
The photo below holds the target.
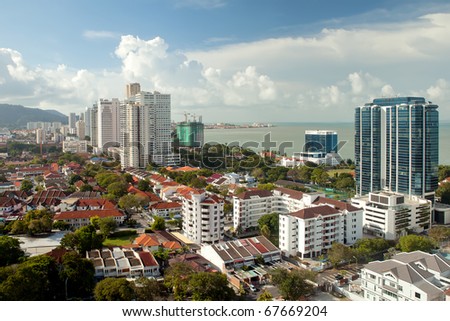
191,132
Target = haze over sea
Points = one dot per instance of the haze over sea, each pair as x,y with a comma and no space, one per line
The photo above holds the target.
295,133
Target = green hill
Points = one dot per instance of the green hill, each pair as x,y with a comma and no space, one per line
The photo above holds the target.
17,116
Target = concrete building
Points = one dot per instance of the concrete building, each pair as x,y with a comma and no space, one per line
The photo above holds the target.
414,276
77,219
108,123
249,206
40,136
132,89
72,120
75,146
128,263
389,215
81,129
146,136
233,255
311,231
191,134
203,217
397,146
94,125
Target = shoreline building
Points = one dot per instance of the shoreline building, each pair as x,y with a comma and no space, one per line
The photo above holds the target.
191,133
397,146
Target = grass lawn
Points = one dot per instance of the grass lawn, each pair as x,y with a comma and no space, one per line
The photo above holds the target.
118,241
332,172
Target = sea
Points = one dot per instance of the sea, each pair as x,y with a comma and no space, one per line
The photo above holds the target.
290,137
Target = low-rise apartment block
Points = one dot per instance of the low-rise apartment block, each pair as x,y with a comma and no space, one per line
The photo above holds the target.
77,219
414,276
203,217
389,215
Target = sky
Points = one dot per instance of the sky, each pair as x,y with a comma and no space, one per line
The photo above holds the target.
227,60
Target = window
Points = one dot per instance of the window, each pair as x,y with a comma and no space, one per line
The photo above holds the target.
417,295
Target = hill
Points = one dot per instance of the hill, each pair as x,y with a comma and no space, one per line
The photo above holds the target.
17,116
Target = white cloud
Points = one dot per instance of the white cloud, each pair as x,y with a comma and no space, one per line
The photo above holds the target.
99,34
285,79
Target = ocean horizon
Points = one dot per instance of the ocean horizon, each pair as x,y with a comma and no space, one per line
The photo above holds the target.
290,136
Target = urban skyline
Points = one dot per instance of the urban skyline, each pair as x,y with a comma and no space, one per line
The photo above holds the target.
218,71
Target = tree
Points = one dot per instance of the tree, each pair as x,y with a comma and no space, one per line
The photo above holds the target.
36,279
176,279
265,296
78,275
26,185
410,243
129,201
74,178
150,290
240,190
159,223
104,179
86,188
107,225
258,173
339,253
439,233
319,176
112,289
207,286
128,177
304,173
84,239
292,284
61,225
117,189
228,208
34,222
366,249
266,187
271,221
143,185
444,193
10,250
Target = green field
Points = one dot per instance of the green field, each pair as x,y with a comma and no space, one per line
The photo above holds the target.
118,241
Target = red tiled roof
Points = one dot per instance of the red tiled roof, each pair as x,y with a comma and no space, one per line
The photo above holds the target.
248,194
166,205
87,214
103,203
147,259
146,240
172,245
311,212
152,197
292,193
336,204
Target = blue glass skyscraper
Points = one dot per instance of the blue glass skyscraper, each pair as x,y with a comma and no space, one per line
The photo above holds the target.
324,141
397,146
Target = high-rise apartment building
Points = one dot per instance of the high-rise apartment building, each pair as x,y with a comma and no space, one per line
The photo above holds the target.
132,89
81,129
72,120
397,146
146,136
324,141
87,121
108,128
93,124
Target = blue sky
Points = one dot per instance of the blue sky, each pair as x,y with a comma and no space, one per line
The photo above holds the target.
229,60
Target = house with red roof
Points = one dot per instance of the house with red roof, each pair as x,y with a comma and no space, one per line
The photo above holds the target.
165,209
77,219
148,242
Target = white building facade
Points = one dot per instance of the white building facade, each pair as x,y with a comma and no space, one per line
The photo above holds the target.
414,276
203,217
389,215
